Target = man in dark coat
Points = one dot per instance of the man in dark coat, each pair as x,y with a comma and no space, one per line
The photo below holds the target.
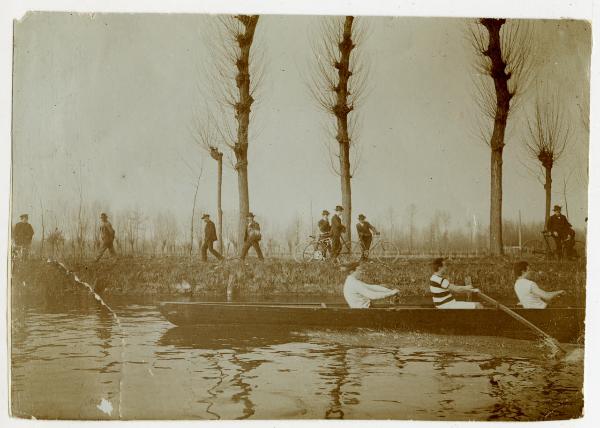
562,232
324,233
22,234
210,236
107,237
337,228
365,235
252,238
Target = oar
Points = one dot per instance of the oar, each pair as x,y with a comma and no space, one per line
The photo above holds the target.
523,321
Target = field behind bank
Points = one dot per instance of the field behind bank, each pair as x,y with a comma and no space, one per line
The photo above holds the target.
160,276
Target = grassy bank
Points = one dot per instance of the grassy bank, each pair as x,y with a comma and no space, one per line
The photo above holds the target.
165,276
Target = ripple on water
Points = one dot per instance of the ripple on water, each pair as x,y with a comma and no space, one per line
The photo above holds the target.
64,364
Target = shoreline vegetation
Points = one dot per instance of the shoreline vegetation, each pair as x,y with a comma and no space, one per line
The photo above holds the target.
175,276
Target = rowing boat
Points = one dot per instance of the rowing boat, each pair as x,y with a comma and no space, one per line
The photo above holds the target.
565,324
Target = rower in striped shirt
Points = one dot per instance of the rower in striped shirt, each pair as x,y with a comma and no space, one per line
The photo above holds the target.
441,289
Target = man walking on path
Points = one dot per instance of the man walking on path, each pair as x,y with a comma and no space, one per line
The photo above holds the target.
365,235
562,232
107,236
252,238
22,234
210,236
337,228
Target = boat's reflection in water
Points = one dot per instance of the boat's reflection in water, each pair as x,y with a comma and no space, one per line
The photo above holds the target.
68,357
229,336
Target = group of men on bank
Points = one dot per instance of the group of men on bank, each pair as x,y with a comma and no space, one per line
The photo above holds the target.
335,229
558,228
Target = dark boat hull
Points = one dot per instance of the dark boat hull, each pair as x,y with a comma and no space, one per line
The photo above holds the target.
565,324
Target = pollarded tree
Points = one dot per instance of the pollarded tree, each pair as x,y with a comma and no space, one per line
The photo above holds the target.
207,136
237,75
503,63
338,82
549,135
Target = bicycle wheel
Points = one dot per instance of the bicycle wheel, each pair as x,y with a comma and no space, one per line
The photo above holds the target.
384,251
350,252
578,250
534,246
310,254
298,252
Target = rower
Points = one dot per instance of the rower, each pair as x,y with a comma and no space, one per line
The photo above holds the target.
358,294
530,295
441,289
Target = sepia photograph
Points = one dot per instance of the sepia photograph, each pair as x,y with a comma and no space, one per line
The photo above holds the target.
297,217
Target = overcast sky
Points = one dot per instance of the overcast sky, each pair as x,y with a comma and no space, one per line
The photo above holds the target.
108,101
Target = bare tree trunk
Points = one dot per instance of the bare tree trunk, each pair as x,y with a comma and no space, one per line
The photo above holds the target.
341,110
242,114
193,214
548,188
503,96
43,230
565,196
219,206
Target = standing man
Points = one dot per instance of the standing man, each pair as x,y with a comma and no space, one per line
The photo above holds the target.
365,235
337,228
210,236
22,234
561,230
252,237
107,236
324,233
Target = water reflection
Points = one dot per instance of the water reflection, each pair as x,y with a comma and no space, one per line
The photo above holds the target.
70,354
227,336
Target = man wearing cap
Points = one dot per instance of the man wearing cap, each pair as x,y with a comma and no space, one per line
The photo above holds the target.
22,234
365,235
252,237
210,236
337,228
107,237
358,294
562,232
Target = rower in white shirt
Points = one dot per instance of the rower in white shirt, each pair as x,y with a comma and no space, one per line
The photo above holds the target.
530,295
358,293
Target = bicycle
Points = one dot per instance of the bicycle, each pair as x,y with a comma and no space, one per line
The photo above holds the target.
321,248
382,250
545,248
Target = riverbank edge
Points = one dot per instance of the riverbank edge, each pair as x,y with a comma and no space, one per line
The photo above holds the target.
174,276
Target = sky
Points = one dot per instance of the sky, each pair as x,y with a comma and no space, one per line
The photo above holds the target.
103,105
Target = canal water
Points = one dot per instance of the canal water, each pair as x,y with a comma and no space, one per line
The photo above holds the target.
73,359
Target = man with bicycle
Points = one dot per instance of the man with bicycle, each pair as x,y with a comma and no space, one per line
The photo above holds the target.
562,232
324,233
365,235
337,228
22,235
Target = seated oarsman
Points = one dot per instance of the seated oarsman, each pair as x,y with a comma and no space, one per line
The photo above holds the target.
442,290
358,294
530,295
